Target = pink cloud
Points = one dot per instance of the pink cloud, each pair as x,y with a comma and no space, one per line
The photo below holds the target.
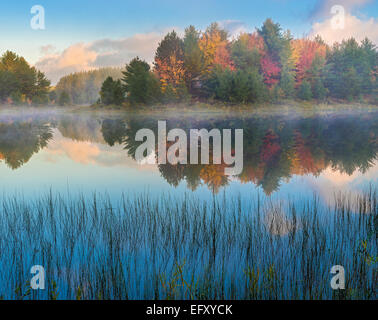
353,27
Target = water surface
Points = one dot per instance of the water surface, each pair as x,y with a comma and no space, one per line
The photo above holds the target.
283,154
75,200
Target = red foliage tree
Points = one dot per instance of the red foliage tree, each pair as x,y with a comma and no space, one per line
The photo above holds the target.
271,71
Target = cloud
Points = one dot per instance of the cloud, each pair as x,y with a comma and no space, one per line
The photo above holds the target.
97,54
118,52
86,152
78,57
79,152
323,7
48,49
331,182
354,27
234,27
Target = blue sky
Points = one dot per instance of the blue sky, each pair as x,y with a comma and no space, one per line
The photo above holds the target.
83,20
79,25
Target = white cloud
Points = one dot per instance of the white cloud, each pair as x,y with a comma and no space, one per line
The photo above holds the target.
48,49
234,27
323,7
97,54
354,27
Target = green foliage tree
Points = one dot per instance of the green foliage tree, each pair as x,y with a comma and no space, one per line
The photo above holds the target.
349,68
170,46
243,57
112,92
107,91
273,38
305,92
140,83
19,81
316,78
64,99
236,86
41,91
8,84
193,56
53,96
318,89
287,81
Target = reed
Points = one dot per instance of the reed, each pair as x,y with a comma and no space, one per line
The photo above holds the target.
184,248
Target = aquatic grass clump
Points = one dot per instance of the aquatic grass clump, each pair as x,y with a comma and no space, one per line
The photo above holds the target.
184,248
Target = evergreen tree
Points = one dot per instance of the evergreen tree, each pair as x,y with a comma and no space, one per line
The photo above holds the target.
305,92
193,56
273,38
140,83
171,45
107,91
19,81
64,99
53,96
243,57
8,84
287,81
41,91
316,78
236,86
319,90
350,67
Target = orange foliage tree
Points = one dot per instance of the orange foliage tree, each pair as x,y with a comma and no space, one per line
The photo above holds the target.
169,62
304,52
215,47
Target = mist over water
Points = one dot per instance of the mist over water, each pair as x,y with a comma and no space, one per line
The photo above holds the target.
63,148
75,200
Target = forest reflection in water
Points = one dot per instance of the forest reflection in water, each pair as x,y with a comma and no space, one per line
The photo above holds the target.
276,148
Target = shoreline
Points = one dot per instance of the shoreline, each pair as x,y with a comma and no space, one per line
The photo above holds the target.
286,107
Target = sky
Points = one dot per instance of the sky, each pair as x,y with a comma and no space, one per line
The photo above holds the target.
88,34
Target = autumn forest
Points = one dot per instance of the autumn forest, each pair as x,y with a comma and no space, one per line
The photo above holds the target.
265,66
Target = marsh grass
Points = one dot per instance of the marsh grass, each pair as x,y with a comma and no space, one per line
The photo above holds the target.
169,248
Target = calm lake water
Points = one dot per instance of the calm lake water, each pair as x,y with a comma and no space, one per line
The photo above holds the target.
283,154
274,231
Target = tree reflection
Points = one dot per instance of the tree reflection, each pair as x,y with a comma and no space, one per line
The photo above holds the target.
20,140
275,148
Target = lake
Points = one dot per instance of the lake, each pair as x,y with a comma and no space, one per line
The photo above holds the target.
304,201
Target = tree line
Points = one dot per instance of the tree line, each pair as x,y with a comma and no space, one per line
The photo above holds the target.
83,87
21,83
264,66
267,65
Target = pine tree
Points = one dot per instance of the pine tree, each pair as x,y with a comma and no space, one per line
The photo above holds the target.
64,99
140,84
305,92
193,56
